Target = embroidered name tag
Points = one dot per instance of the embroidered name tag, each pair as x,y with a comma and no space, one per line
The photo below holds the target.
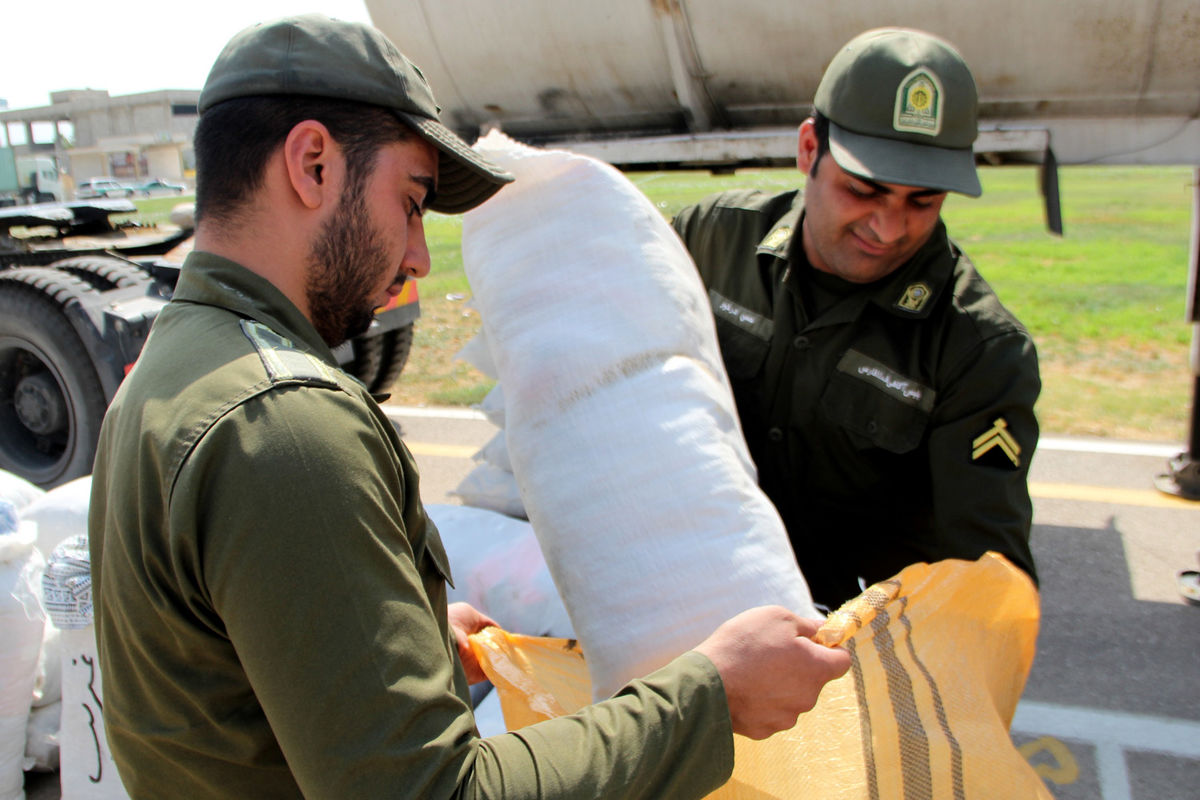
887,380
742,317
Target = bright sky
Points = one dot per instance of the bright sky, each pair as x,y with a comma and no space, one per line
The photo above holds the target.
128,46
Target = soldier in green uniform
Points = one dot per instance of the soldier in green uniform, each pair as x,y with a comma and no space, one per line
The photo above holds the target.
270,595
885,393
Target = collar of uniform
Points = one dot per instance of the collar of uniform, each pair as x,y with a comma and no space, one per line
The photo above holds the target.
215,281
778,241
912,291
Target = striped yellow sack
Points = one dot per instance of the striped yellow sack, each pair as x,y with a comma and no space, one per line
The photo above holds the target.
940,657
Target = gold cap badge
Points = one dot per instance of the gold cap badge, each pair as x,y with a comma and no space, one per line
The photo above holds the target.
919,103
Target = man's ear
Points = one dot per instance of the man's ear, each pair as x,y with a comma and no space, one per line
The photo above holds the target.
806,150
308,153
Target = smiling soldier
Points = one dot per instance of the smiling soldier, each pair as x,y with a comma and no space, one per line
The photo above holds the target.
885,393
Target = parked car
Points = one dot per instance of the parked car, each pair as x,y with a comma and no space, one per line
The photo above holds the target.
102,187
159,186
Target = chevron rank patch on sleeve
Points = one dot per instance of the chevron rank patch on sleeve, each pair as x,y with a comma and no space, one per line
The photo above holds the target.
997,447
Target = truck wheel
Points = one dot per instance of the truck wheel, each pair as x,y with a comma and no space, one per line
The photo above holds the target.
393,357
103,272
378,360
364,361
51,400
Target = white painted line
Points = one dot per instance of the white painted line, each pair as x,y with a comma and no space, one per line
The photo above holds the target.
1112,773
433,413
1068,444
1110,447
1170,735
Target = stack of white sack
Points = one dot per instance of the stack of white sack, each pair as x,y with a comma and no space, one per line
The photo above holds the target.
59,514
87,771
490,484
619,419
21,631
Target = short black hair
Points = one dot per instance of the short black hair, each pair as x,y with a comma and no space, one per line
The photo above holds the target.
235,138
821,129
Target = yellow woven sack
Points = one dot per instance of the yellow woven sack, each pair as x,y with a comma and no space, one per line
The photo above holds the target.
940,654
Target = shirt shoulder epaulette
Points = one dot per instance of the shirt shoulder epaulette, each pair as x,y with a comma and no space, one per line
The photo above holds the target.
283,361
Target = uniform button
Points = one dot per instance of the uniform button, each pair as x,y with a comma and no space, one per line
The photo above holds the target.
800,343
872,427
775,435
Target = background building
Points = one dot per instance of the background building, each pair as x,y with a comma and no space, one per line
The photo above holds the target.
91,134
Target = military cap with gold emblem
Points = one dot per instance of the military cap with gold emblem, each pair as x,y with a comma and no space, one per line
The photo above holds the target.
903,108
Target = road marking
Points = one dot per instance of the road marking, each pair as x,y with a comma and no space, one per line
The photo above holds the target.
1049,491
1107,494
1064,443
1051,759
1112,733
443,450
1109,447
433,413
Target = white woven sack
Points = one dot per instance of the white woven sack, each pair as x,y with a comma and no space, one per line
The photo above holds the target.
499,569
86,770
490,487
476,353
60,513
41,738
21,630
17,490
620,423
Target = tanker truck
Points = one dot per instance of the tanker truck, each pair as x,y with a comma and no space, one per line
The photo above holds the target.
719,85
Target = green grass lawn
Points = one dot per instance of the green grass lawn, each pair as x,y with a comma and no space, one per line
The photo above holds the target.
1105,303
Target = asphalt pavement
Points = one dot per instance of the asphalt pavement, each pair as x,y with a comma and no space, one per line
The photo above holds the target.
1111,710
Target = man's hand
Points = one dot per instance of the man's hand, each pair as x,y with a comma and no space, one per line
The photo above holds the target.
772,670
465,619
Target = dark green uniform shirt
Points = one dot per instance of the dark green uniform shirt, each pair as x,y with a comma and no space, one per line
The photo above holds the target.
890,423
270,600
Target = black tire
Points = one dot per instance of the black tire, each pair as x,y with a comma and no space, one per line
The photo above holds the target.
394,355
378,360
103,272
365,358
51,400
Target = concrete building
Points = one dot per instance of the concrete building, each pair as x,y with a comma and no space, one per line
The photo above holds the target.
91,134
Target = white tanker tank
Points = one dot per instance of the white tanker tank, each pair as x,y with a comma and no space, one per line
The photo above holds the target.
716,81
720,83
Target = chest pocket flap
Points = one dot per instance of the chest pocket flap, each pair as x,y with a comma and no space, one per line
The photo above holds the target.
874,401
429,546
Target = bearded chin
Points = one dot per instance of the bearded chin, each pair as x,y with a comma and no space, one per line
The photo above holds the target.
358,323
337,325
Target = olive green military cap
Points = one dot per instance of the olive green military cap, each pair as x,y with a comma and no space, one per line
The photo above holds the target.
903,108
317,56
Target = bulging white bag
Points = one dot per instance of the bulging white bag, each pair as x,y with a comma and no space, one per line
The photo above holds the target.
87,770
60,513
17,490
620,423
21,631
